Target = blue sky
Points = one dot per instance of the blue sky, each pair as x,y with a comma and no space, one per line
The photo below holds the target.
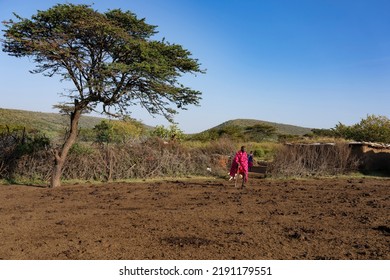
305,62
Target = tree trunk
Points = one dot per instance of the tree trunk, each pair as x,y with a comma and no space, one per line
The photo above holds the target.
55,180
109,163
60,156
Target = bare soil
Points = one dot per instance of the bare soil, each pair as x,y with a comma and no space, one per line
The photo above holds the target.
198,219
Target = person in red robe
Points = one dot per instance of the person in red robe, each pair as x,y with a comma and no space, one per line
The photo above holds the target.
240,165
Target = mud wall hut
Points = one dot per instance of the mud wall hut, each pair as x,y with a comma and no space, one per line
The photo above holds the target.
374,157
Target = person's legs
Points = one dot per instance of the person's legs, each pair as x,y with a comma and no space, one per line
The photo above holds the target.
244,178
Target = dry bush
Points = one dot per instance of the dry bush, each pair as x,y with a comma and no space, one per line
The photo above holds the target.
139,158
15,146
301,160
31,167
223,146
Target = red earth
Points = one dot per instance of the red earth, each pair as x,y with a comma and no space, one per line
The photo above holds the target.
196,219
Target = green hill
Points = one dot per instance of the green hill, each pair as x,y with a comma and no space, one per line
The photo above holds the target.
280,128
251,130
49,123
53,123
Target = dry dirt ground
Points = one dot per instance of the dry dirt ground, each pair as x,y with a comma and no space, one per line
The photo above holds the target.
198,219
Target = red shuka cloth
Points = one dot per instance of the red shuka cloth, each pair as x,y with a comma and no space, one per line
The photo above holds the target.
241,158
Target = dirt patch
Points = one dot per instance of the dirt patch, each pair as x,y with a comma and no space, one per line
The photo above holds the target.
192,219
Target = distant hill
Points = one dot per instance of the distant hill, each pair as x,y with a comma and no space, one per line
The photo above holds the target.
53,123
48,123
281,128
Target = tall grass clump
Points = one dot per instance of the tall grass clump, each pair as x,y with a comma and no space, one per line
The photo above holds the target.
302,160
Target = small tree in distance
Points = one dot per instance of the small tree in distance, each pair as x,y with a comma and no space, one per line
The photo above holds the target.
111,60
173,132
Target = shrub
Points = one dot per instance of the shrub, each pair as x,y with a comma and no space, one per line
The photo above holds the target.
371,129
173,132
17,144
139,158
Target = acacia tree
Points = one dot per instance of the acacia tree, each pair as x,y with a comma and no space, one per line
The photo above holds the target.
259,132
112,60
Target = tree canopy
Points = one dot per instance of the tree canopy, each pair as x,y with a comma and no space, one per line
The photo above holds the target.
110,57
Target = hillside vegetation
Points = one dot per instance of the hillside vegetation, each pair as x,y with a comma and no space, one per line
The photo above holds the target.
280,128
53,123
48,123
252,130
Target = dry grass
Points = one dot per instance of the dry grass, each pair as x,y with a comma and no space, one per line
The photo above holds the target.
147,158
301,160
